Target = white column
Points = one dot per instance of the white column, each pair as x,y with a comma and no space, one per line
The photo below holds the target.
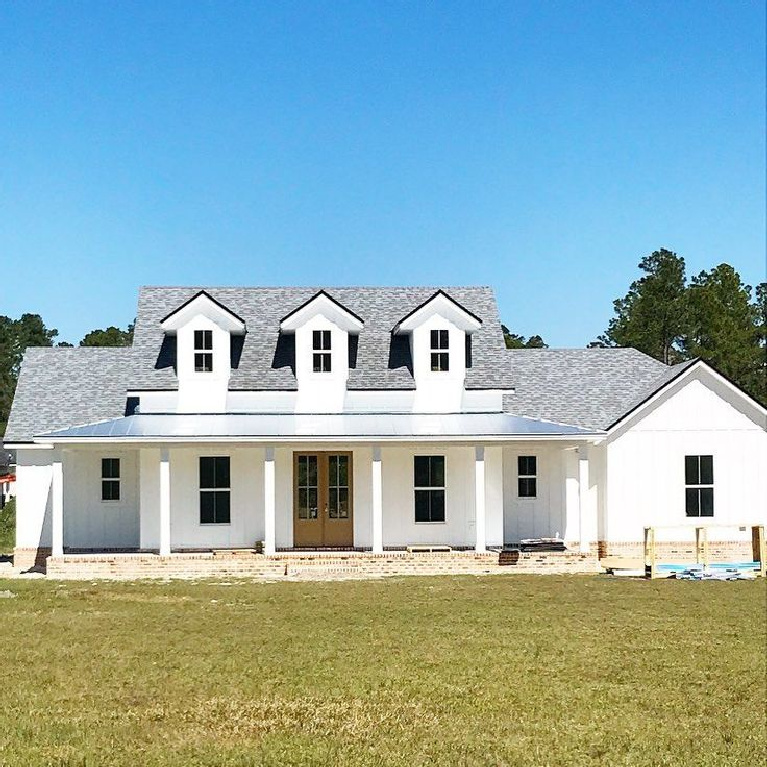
57,507
583,498
165,502
270,503
377,502
479,495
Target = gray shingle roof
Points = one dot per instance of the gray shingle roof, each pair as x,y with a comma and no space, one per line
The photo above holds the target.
588,388
61,387
263,308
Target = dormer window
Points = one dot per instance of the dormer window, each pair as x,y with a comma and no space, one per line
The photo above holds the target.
440,350
321,351
203,351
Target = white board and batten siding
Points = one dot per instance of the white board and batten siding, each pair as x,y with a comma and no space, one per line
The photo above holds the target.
646,464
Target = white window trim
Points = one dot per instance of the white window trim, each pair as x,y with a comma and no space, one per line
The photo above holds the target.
419,487
323,351
202,349
439,350
118,479
528,476
201,489
687,487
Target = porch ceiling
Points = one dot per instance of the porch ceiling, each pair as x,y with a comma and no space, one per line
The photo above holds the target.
290,427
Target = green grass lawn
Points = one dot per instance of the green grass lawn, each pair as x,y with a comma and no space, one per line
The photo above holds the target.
542,670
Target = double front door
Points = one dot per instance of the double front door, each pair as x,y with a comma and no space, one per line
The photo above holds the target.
322,500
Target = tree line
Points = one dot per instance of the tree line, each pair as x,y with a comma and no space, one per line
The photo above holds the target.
713,315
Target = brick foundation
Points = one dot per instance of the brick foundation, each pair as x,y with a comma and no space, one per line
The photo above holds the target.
680,551
314,565
30,559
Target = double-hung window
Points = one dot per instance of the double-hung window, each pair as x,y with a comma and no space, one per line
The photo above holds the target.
215,491
110,479
699,485
440,350
527,476
203,351
429,483
321,351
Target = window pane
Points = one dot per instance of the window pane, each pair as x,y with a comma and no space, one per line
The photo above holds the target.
316,339
312,461
691,505
333,503
326,340
691,473
435,339
526,487
422,505
207,339
317,363
326,363
207,472
706,501
222,507
203,362
198,339
312,495
437,473
421,471
343,503
303,503
343,470
222,472
435,361
437,505
706,470
207,507
302,471
444,362
527,465
443,340
333,470
110,490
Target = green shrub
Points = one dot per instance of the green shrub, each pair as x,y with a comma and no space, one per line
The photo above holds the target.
8,527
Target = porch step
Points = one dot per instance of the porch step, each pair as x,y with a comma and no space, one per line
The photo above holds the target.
428,549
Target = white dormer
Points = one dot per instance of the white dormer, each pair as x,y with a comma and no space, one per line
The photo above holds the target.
203,328
438,330
322,328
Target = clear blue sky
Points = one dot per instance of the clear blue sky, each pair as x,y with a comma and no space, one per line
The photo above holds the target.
542,148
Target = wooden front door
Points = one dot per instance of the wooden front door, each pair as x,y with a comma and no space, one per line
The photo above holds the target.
322,500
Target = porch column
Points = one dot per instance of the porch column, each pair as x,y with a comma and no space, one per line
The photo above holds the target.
377,502
583,491
270,503
164,502
479,495
57,507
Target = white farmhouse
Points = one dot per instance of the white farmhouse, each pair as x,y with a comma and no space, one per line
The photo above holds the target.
372,421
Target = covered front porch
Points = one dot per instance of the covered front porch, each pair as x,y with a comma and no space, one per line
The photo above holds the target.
366,485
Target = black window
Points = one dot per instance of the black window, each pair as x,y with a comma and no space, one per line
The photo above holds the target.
429,484
699,485
440,346
321,351
203,351
214,491
110,479
527,476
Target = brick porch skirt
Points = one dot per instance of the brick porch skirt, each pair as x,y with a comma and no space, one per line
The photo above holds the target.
311,565
680,551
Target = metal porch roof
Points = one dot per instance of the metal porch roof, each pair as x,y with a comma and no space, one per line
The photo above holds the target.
281,427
